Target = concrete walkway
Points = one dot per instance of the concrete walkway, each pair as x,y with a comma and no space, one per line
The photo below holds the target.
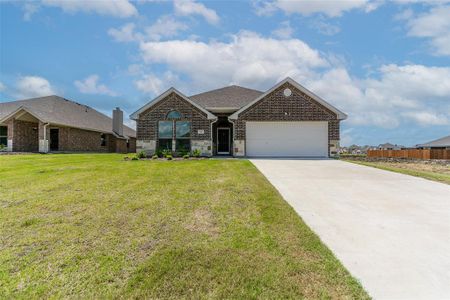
391,231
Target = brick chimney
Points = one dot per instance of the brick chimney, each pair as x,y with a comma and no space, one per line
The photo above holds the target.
118,121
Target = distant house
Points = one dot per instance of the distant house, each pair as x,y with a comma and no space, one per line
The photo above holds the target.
52,123
389,146
442,143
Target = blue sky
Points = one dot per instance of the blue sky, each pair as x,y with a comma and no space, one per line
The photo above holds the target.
385,63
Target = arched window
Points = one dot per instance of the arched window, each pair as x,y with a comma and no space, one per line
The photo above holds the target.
174,115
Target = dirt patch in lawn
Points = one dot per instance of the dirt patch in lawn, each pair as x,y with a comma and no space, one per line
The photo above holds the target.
202,221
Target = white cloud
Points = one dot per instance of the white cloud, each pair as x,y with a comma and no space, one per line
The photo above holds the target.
155,85
404,15
399,93
428,118
90,86
247,59
435,25
165,26
323,27
306,8
29,8
134,69
190,7
2,87
390,96
125,33
150,84
116,8
285,31
33,86
346,136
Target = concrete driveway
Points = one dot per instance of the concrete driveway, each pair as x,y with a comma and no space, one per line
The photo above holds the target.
391,231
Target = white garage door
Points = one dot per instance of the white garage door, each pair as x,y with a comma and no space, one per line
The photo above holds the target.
302,139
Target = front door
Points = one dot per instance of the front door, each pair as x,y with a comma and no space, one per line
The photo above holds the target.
223,140
54,139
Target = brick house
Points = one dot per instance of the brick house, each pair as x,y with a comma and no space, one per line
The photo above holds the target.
55,124
286,121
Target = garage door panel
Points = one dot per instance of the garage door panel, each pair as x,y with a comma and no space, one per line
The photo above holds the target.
308,139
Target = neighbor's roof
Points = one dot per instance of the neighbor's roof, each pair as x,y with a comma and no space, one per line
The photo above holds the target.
228,97
442,142
387,145
60,111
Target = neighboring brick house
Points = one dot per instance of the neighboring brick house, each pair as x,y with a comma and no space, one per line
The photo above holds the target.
287,120
55,124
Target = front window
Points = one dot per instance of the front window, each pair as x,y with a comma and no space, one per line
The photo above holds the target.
165,134
182,135
174,115
3,136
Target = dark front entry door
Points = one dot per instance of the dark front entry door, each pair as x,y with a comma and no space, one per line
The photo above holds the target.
54,139
223,140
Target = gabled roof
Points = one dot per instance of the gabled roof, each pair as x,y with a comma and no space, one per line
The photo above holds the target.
386,145
230,97
60,111
135,115
339,113
442,142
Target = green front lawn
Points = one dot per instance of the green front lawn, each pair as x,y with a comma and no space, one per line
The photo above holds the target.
435,172
89,226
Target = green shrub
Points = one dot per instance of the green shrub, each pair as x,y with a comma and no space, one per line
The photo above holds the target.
159,152
186,156
135,158
169,157
155,156
182,151
196,153
166,152
141,154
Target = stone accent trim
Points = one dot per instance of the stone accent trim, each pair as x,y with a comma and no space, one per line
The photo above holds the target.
334,147
148,146
239,147
204,146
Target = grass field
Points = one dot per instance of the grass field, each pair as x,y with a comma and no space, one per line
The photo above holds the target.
96,226
436,172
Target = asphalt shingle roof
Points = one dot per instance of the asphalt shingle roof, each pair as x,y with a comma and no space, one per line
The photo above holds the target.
442,142
58,110
228,97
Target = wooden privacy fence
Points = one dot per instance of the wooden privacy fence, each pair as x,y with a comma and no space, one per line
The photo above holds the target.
411,153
